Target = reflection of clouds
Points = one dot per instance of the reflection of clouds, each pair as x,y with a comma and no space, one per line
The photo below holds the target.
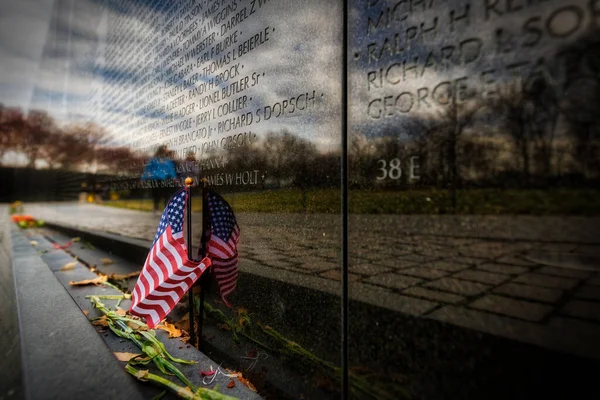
23,29
302,55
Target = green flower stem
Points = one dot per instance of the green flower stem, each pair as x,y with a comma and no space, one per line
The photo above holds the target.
360,387
183,392
151,347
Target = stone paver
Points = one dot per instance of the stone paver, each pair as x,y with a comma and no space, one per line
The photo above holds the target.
515,260
423,272
268,257
503,268
433,295
486,249
278,263
315,265
416,259
382,297
336,275
588,292
530,292
546,281
513,308
449,266
395,262
582,309
570,273
368,269
458,286
489,278
393,281
469,261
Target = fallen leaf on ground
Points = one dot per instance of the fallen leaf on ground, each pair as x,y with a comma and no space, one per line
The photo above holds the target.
100,321
96,281
121,312
125,356
86,312
64,246
184,322
120,277
68,266
143,375
231,384
224,327
76,239
173,331
245,381
33,243
136,327
106,261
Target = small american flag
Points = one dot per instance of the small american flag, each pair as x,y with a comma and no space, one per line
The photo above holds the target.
168,272
222,245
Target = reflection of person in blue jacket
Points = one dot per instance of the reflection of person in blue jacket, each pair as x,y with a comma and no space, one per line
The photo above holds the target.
160,169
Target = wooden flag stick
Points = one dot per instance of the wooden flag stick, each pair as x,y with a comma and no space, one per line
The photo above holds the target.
204,280
188,182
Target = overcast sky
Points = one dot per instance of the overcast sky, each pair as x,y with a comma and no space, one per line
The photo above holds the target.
23,31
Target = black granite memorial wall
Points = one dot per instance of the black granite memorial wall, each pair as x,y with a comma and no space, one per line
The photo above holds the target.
465,134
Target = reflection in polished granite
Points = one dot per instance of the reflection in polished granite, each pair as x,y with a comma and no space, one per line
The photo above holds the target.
479,279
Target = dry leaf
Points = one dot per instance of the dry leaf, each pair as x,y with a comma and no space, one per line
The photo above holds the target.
142,374
106,261
100,321
86,312
69,266
120,277
173,331
120,312
33,242
184,322
245,381
231,384
76,239
96,281
125,356
136,327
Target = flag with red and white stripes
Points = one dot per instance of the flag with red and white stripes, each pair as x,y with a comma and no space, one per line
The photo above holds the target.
168,273
221,248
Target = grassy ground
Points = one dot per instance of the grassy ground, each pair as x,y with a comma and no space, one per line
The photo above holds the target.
423,201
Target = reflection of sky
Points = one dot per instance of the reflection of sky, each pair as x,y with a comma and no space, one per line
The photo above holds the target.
61,47
86,73
23,32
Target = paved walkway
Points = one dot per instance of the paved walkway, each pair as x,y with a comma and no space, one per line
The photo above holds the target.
533,279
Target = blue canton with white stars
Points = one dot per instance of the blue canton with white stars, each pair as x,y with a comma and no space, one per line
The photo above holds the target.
222,219
173,215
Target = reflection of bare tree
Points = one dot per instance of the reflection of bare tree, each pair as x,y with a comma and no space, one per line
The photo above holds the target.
581,100
76,147
36,137
12,122
289,158
529,114
361,156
